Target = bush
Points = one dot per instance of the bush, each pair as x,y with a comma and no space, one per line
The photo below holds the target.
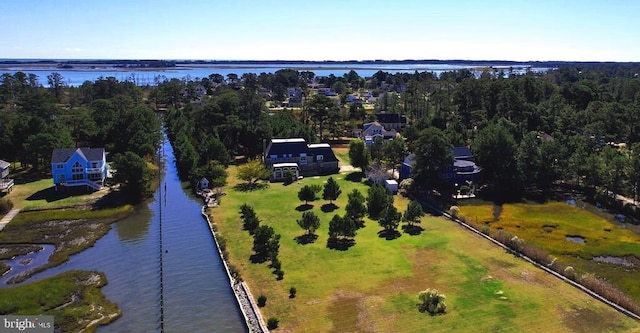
432,301
569,273
454,211
5,206
292,292
280,274
609,292
262,300
272,323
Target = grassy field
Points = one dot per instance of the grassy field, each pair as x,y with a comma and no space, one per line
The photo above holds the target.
73,298
547,226
373,286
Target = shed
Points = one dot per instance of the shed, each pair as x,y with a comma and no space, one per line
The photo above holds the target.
391,185
203,183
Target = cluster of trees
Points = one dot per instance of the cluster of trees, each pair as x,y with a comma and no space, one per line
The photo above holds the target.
378,205
107,113
266,243
526,131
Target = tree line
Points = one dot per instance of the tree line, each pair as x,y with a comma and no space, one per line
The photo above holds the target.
35,119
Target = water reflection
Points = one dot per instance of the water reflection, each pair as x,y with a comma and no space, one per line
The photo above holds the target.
136,227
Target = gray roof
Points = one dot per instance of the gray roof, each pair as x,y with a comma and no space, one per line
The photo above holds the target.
325,150
4,164
287,146
461,153
62,155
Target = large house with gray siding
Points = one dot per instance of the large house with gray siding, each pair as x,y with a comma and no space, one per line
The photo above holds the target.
295,156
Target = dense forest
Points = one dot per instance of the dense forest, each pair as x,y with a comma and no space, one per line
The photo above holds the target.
576,124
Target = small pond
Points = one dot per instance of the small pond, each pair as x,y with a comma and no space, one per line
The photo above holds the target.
575,239
23,263
614,260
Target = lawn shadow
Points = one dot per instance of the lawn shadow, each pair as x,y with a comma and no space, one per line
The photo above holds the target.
355,176
340,244
257,258
50,194
249,187
412,229
304,207
306,239
328,208
112,199
389,234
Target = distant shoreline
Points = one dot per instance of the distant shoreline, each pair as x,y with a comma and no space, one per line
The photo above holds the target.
142,64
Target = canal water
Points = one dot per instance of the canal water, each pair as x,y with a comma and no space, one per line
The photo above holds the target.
197,295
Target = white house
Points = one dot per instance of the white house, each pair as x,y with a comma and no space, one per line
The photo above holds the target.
374,131
79,167
5,183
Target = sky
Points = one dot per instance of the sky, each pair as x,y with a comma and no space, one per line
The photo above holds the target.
519,30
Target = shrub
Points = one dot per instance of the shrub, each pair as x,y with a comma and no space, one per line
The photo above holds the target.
280,274
292,292
454,211
5,206
432,301
609,292
262,300
272,323
569,273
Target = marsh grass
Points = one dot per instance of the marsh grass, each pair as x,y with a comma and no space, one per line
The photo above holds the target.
372,284
546,227
74,299
71,231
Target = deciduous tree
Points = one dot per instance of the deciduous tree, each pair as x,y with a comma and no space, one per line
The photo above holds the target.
358,154
252,171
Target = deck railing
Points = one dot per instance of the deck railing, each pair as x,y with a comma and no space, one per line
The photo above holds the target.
5,184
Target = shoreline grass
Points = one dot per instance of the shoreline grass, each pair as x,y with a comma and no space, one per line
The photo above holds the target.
373,285
547,225
74,299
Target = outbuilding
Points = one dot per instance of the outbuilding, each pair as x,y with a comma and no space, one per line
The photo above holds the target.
391,185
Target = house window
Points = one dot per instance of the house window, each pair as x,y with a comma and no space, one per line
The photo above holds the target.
94,164
273,157
77,171
303,159
60,166
319,157
76,168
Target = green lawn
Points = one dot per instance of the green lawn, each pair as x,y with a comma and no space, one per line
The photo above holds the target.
41,194
373,285
547,225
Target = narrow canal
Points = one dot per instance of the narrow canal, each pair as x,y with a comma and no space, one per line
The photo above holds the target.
197,295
